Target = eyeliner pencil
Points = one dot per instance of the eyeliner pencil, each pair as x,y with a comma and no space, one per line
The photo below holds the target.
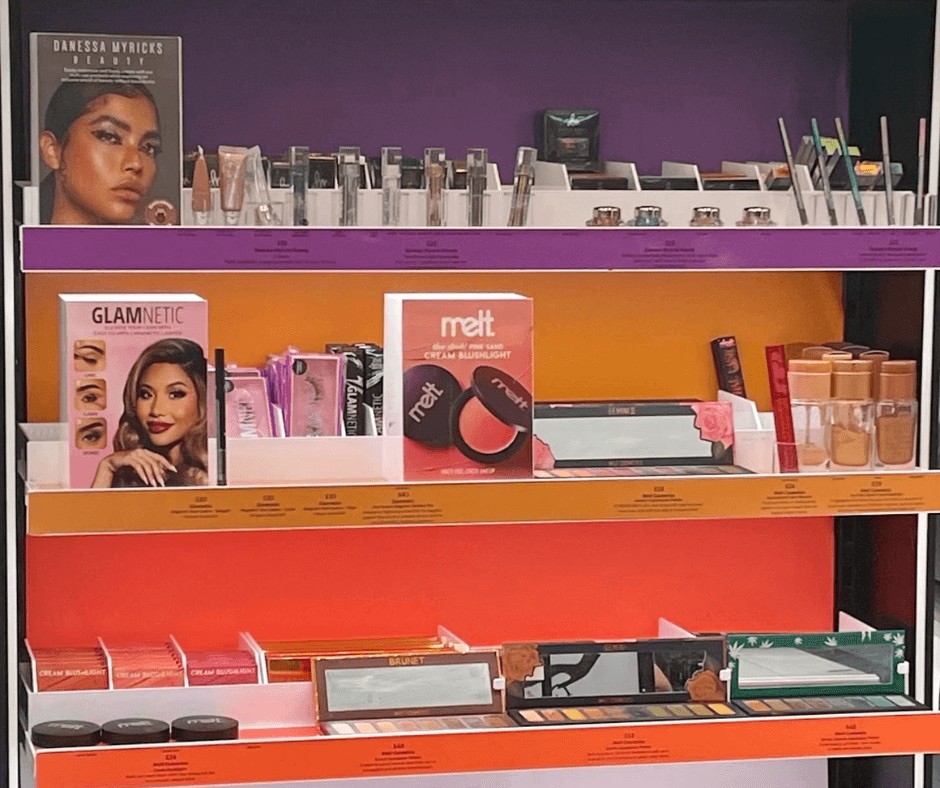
850,169
220,456
823,175
921,153
886,165
794,182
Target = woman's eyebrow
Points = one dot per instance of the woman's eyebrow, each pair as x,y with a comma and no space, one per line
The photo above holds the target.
89,386
90,347
121,124
95,425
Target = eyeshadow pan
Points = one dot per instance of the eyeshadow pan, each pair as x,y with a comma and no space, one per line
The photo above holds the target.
659,711
778,705
880,702
614,712
818,704
679,710
386,727
859,702
573,714
495,721
721,708
757,705
407,725
430,725
900,700
531,715
474,722
453,723
701,711
343,728
595,714
553,714
799,704
840,704
365,727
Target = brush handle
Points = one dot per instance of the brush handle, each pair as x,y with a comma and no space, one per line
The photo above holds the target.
823,175
850,169
886,166
921,155
794,183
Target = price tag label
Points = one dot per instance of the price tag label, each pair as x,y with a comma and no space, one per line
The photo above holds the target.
404,505
789,496
398,757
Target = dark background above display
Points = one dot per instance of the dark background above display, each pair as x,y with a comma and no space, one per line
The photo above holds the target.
676,80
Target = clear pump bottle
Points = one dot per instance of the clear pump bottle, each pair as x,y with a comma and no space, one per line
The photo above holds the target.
810,384
852,420
896,415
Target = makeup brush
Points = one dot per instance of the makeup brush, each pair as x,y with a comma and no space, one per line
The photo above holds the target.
921,154
823,175
794,182
886,165
850,169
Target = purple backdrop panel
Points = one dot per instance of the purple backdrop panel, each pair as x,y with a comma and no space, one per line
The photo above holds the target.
686,80
315,249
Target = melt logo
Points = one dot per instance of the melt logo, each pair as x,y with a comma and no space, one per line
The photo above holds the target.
479,326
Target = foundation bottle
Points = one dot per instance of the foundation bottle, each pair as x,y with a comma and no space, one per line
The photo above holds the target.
896,415
851,416
810,385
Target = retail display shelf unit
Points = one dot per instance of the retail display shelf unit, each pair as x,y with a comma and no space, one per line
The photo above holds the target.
619,312
372,504
75,249
271,756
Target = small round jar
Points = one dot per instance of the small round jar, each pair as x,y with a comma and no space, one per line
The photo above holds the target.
204,728
161,213
648,216
757,216
706,216
65,733
135,730
605,216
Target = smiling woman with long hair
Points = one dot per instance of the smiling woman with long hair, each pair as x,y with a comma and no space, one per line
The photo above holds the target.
162,438
101,141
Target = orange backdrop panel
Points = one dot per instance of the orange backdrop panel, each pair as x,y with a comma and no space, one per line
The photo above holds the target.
488,583
597,335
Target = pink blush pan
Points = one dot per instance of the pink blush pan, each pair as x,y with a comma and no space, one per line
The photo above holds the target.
482,430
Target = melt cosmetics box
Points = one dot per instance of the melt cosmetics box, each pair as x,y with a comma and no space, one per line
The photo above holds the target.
458,386
133,377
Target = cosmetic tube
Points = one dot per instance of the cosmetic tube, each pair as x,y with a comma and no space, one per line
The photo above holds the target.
202,194
810,386
896,415
391,187
435,170
299,158
476,186
522,186
349,183
852,416
232,165
256,184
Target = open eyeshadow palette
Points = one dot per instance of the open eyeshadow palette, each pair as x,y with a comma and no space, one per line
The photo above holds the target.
290,660
616,681
407,692
813,673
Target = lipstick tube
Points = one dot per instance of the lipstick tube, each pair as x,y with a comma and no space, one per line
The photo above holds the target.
435,170
476,186
349,184
391,187
522,186
299,157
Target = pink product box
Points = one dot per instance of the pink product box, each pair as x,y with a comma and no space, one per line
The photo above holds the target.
134,389
458,384
205,668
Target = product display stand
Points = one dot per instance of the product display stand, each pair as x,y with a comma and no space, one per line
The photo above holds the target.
307,540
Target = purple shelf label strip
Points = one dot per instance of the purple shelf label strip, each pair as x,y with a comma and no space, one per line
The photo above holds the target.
364,249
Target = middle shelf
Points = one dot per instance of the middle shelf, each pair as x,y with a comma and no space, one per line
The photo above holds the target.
374,504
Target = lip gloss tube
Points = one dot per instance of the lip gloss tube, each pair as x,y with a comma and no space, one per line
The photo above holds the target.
522,186
476,186
299,175
349,181
391,187
202,194
435,168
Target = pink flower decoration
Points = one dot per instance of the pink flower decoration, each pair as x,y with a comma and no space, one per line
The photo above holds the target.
714,422
542,456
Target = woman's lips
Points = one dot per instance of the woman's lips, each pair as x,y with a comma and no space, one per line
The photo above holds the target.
156,427
128,191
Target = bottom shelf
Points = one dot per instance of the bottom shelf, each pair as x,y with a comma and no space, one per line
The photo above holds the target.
262,756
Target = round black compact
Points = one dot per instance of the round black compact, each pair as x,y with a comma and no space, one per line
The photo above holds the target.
205,728
65,733
135,730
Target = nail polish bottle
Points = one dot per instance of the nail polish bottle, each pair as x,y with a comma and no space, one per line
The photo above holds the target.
810,385
852,416
896,415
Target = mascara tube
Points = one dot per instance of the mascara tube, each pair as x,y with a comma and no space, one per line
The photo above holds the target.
476,186
391,187
823,174
349,183
299,157
522,186
435,170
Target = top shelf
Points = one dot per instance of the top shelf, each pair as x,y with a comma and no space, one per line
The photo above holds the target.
92,249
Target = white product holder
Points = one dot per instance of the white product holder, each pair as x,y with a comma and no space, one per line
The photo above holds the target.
754,434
